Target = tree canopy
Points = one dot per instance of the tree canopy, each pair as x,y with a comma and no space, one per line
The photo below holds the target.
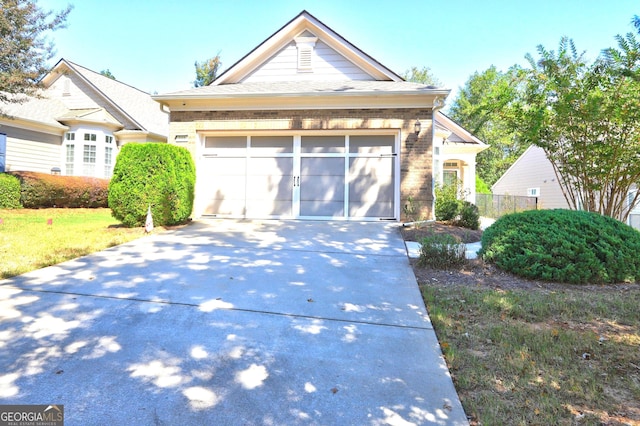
207,71
24,48
421,75
487,106
586,117
107,73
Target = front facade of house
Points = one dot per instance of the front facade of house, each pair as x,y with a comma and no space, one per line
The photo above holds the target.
77,125
308,126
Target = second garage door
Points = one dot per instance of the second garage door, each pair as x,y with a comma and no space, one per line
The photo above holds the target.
297,176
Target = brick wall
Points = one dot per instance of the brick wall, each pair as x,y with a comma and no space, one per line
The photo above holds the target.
415,156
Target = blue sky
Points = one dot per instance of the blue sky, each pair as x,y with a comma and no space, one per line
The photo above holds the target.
152,45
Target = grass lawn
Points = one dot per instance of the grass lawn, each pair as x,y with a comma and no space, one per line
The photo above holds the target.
539,356
28,241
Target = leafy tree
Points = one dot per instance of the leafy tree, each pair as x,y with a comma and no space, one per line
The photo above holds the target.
207,71
487,106
107,73
421,75
585,116
24,49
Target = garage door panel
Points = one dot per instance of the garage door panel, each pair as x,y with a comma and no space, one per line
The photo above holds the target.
322,208
371,188
378,209
215,166
225,207
269,187
322,188
266,208
322,166
270,166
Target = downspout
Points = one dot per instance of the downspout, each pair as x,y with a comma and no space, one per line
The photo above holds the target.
438,104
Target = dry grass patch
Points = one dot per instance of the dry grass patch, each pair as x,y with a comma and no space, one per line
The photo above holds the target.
535,356
33,239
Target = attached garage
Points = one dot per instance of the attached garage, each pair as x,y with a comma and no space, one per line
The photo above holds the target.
308,126
299,175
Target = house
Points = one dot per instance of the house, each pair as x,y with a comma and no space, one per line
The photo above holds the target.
533,175
309,126
77,124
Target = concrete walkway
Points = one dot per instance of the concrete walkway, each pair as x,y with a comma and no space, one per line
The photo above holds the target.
230,322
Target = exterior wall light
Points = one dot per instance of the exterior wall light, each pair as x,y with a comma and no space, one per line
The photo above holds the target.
417,127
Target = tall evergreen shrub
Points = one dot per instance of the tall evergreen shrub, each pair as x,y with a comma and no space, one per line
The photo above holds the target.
152,174
9,192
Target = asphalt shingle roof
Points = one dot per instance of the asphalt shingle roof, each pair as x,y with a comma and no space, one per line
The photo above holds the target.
304,87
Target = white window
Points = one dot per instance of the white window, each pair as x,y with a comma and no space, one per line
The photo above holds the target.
90,137
181,138
70,136
89,160
449,177
108,140
108,161
533,192
69,159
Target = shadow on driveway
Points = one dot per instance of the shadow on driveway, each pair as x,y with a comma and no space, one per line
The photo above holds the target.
229,322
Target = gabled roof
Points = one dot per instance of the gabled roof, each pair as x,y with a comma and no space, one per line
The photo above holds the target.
41,111
137,106
457,133
90,115
298,25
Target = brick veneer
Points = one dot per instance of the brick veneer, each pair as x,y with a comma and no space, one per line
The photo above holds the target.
415,156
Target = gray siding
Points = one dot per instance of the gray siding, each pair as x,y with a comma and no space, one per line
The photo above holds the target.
532,170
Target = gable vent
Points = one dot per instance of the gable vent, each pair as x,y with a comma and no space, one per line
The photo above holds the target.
304,58
305,45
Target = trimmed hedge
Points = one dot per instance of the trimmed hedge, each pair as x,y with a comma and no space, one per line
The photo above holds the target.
152,174
564,246
9,192
42,190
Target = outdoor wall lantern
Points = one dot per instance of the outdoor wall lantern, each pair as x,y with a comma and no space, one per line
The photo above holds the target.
417,127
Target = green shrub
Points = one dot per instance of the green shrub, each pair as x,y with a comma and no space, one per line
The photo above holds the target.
447,203
9,192
441,251
481,186
564,246
42,190
152,174
468,216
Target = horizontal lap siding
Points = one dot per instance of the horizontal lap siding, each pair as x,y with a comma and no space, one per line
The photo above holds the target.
327,65
32,151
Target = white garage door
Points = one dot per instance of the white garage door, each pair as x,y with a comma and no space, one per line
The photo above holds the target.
292,176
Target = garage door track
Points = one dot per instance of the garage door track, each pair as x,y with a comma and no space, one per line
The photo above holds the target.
230,322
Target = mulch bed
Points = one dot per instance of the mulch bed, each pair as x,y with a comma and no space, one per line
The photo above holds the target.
477,273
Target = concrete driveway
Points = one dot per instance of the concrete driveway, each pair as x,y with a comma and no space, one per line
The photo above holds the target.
230,322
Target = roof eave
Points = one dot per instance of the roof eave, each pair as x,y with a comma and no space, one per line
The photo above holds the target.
212,96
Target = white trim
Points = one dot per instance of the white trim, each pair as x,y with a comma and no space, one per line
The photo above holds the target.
304,22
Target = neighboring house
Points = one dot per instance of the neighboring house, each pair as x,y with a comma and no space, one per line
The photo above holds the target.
307,125
77,124
532,175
